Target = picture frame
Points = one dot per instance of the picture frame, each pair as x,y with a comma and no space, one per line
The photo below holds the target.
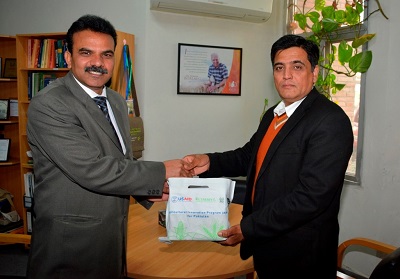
4,149
4,109
198,75
10,68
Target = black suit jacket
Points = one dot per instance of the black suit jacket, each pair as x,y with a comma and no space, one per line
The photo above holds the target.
292,227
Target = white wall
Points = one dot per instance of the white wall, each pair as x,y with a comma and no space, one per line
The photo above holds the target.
179,124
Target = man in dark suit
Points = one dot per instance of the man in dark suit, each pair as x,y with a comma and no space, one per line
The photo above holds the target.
84,169
295,165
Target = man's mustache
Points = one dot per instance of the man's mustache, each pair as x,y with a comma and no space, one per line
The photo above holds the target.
96,69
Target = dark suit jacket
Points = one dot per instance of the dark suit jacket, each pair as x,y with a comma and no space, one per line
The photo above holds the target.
82,183
292,227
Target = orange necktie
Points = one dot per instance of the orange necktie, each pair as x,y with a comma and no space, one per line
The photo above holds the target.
273,129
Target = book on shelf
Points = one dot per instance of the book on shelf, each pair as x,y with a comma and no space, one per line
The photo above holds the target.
39,58
53,53
35,53
29,62
29,182
60,50
29,221
13,107
64,50
44,54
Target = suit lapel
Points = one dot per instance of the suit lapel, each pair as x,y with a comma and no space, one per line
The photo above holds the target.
286,129
93,109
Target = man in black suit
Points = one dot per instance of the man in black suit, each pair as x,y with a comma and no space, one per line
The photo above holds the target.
295,165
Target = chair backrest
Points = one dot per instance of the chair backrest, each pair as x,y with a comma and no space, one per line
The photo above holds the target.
381,269
388,267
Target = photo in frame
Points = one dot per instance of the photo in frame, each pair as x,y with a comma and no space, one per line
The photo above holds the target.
4,109
4,149
10,68
209,70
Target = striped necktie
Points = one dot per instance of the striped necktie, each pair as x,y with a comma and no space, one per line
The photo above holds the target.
101,101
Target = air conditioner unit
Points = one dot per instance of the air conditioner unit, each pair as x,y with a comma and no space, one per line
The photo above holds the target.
246,10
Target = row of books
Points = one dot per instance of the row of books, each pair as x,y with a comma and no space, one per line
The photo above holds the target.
38,81
46,53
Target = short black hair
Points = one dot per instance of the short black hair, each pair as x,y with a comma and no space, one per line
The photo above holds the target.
93,23
289,41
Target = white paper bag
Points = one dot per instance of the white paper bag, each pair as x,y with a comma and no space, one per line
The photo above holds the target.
198,208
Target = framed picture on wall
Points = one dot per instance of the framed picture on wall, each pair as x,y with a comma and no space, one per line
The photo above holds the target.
4,109
4,149
10,68
209,70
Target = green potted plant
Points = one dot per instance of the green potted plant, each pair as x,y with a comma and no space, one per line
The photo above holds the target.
323,23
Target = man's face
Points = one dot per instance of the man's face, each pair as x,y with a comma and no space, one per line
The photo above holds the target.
292,74
92,59
215,60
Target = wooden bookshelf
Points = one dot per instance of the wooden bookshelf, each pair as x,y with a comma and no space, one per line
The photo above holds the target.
9,128
23,72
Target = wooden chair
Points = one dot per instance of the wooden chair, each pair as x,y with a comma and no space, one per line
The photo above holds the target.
388,267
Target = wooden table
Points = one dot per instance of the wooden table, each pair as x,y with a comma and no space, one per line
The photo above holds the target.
147,257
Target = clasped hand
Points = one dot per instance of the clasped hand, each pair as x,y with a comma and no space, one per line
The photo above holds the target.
173,168
233,236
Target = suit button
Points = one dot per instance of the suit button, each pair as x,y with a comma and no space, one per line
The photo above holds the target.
149,192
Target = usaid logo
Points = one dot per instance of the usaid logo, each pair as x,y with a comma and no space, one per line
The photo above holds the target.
176,199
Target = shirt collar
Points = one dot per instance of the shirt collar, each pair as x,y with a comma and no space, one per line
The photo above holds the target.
281,109
89,91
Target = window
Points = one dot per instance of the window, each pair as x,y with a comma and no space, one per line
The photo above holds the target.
350,97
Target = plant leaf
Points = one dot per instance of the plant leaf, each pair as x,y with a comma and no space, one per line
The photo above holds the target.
319,5
329,25
313,16
302,20
316,28
352,16
328,12
339,86
359,8
362,40
361,62
340,16
345,52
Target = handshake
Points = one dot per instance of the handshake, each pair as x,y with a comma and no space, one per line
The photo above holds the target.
188,166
